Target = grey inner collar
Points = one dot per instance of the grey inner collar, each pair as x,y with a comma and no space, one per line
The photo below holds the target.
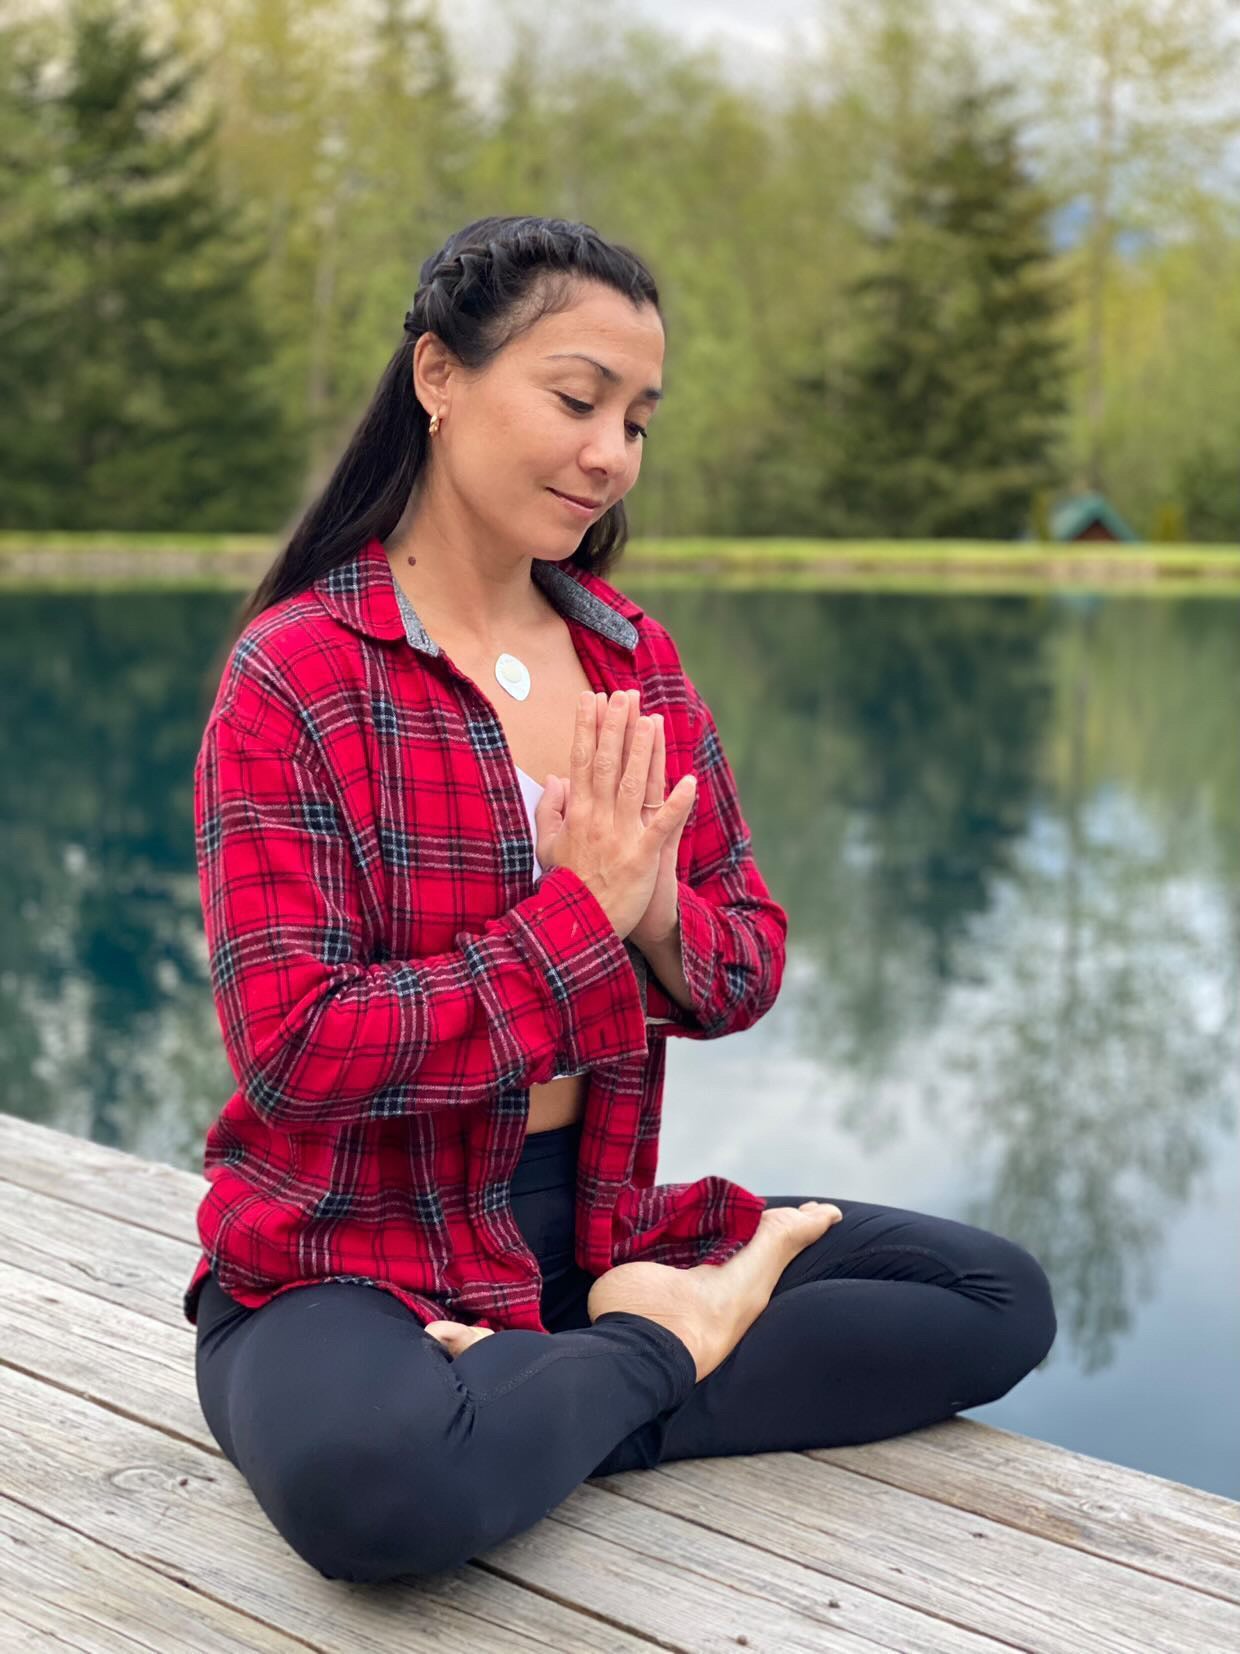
569,597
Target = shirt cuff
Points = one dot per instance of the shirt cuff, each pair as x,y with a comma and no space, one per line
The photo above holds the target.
592,986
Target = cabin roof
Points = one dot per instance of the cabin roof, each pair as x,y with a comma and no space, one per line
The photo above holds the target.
1071,517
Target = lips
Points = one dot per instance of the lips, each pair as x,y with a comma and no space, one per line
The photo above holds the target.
591,505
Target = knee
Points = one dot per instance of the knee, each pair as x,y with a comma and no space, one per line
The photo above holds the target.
367,1512
1032,1323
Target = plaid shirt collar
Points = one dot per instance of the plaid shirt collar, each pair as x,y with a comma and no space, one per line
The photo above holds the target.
364,595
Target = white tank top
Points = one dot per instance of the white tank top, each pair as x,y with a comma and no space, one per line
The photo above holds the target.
532,792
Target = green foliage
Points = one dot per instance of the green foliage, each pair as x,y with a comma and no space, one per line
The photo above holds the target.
950,405
214,217
1210,487
1040,515
1169,523
134,394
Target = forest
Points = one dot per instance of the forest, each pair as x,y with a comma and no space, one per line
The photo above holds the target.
946,265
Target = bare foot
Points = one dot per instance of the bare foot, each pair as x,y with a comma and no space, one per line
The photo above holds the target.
711,1306
455,1336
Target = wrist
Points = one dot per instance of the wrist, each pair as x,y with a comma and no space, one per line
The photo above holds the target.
665,960
663,936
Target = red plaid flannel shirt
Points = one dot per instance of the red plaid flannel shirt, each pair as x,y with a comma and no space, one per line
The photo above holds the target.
391,976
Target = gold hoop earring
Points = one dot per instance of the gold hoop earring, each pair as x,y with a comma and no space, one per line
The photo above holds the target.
434,424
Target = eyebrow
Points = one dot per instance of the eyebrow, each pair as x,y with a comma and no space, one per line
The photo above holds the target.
652,393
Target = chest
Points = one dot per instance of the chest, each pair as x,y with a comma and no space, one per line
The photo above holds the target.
538,729
437,816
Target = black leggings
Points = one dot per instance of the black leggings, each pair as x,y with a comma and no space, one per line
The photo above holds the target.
375,1454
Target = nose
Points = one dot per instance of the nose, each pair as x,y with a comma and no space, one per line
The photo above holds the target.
606,452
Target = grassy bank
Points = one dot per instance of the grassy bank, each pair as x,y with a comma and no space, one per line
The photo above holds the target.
237,560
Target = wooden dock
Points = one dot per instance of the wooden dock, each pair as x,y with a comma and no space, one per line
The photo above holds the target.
123,1528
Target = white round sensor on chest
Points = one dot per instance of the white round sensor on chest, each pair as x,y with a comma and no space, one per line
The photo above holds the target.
512,675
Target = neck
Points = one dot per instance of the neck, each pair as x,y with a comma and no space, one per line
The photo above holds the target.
488,597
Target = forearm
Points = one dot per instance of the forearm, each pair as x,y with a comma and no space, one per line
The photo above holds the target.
722,969
317,1030
665,960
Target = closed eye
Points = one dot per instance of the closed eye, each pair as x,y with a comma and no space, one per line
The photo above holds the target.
588,407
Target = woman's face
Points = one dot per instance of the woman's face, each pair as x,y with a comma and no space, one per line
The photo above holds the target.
541,418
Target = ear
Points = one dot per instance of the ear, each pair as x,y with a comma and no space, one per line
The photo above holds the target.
432,372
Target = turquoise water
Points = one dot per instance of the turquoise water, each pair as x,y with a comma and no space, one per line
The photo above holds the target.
1007,833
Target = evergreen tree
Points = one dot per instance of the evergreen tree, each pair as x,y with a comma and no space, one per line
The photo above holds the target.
138,398
31,315
951,401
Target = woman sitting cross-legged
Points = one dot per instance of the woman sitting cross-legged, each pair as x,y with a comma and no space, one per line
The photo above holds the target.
470,854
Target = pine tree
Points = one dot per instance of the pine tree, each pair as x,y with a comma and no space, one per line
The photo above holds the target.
951,402
31,313
139,398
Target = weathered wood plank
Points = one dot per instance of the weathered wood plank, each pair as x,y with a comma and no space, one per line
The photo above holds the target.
1018,1587
1177,1532
98,1254
146,1193
1164,1528
141,1369
684,1576
168,1506
133,1363
960,1538
58,1589
103,1352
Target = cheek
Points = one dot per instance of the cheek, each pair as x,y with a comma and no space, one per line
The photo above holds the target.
537,446
507,453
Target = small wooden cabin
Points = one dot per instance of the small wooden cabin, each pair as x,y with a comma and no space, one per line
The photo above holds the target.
1088,517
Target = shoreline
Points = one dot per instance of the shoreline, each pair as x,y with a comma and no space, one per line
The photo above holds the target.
53,561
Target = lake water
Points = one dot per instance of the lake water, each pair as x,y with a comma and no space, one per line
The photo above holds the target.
1007,833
